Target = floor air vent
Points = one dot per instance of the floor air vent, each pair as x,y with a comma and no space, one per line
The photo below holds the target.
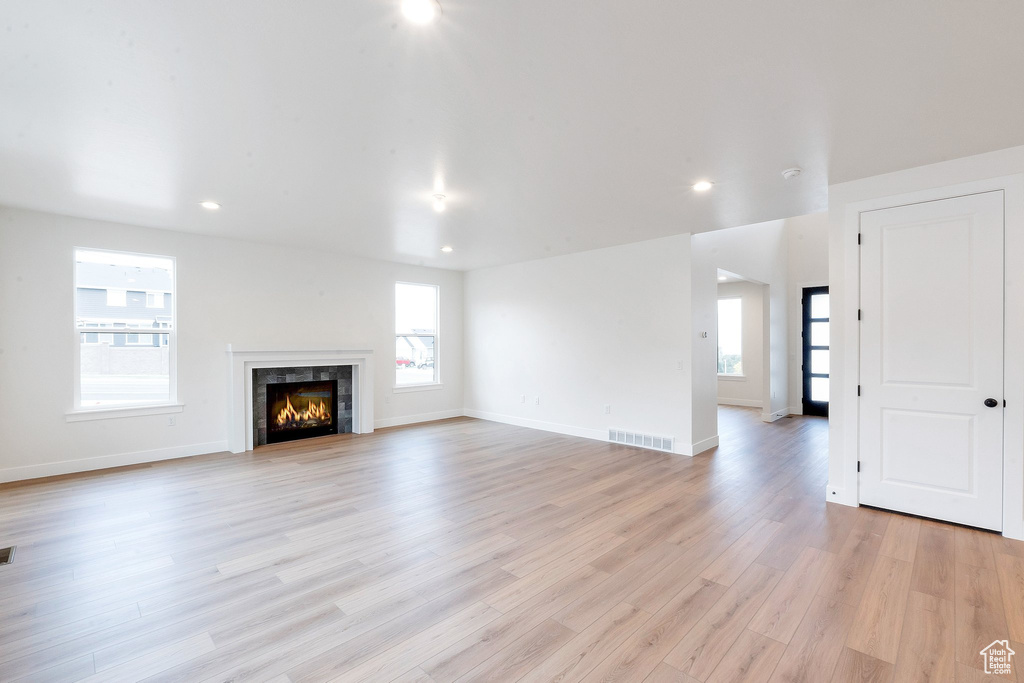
7,555
658,443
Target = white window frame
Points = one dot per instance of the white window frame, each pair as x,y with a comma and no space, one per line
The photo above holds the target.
739,376
104,334
425,386
77,413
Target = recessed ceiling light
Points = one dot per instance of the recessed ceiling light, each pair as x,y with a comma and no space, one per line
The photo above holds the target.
791,173
439,200
722,278
703,185
421,11
212,206
447,250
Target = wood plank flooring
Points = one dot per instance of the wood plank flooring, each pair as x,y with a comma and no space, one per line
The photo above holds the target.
465,550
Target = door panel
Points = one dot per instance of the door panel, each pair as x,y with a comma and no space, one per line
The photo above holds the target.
948,438
940,280
931,354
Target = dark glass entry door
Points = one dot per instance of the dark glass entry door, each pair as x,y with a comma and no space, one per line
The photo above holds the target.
816,350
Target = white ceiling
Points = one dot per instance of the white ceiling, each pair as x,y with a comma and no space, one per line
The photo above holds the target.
554,126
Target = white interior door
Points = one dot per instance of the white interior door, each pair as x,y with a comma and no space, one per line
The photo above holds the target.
931,358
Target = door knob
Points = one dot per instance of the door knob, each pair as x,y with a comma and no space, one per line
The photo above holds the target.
991,402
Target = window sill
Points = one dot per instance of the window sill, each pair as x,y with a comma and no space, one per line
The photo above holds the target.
417,387
733,378
85,414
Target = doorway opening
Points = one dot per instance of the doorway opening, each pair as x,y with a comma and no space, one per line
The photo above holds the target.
744,348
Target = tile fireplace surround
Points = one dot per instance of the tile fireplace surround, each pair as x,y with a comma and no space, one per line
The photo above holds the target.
341,410
243,360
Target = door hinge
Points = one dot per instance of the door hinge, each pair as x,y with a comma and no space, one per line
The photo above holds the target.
858,390
858,237
859,314
858,465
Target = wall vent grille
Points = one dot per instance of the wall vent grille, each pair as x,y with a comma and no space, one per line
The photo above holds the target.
7,555
657,443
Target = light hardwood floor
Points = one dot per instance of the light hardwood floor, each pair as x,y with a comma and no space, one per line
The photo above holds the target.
469,550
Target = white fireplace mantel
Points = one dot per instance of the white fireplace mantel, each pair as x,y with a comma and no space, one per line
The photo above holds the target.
242,360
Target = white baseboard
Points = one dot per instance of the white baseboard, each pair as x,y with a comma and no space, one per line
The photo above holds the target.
583,432
772,417
568,430
743,402
1014,530
414,419
835,494
52,469
796,410
705,445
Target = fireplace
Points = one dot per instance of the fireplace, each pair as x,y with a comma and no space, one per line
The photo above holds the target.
300,410
268,401
251,370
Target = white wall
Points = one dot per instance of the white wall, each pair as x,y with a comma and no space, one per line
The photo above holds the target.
996,170
703,307
807,240
582,331
747,390
759,253
229,291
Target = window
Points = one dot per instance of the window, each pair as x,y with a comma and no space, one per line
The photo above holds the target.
126,345
730,336
117,297
415,334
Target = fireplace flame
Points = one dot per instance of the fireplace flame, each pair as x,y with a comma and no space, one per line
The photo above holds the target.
312,413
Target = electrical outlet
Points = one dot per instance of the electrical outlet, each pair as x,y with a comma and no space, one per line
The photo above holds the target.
387,399
522,398
536,401
170,422
607,409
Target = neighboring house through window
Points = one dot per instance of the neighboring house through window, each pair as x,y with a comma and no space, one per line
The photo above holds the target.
416,334
117,297
124,318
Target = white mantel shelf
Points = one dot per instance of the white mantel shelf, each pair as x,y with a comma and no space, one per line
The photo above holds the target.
243,359
250,350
